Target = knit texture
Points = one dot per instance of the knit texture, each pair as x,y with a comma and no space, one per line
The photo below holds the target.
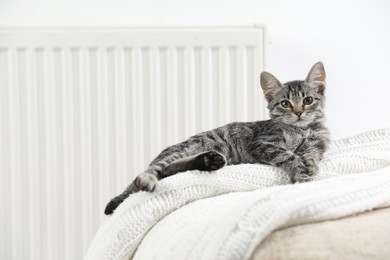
227,213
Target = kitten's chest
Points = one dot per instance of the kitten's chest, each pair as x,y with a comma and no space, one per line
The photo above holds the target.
302,138
291,140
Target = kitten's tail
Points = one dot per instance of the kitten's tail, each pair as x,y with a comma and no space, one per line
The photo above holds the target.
115,202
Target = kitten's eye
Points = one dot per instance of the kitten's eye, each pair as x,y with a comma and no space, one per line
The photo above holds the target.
285,104
308,100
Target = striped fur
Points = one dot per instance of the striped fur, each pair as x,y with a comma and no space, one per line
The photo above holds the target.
294,139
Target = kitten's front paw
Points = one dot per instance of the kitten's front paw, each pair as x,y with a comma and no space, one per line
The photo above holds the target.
145,182
304,172
211,161
301,177
311,164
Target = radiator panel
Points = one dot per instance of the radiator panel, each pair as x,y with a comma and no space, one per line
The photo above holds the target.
82,112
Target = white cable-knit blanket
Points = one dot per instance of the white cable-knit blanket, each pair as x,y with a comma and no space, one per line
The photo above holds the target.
227,213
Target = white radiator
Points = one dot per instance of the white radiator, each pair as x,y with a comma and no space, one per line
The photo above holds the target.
82,112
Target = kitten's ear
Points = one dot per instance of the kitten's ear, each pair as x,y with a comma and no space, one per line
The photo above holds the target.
316,77
270,85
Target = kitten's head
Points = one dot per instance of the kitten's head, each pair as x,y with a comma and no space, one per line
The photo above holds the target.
298,103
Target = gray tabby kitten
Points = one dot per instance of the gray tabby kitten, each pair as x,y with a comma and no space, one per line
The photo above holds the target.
294,139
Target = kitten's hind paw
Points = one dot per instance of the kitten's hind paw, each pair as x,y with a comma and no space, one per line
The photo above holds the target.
112,205
145,182
211,161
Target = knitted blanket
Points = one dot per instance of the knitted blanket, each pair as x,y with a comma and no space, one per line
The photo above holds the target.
227,213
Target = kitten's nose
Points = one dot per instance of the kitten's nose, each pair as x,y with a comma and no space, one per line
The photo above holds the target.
298,113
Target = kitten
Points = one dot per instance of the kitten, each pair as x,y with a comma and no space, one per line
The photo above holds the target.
294,139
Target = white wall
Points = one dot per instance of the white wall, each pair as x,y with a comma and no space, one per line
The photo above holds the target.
351,38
